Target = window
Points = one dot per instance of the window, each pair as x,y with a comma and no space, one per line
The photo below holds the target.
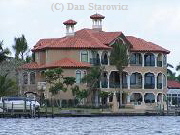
32,78
149,59
164,60
133,79
25,78
78,76
84,56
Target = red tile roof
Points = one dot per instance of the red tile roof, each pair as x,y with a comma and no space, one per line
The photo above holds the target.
97,16
67,63
31,65
91,39
173,84
70,22
144,46
64,63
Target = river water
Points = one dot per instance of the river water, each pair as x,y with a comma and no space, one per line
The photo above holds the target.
143,125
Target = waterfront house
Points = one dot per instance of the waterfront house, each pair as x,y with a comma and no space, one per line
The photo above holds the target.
144,80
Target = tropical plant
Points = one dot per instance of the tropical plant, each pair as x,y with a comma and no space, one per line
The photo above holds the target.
79,94
178,67
7,86
93,79
3,52
57,82
120,58
20,47
169,71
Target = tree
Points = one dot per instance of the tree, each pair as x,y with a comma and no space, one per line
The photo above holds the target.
93,78
79,94
178,67
58,82
104,96
120,58
7,86
169,71
20,47
3,52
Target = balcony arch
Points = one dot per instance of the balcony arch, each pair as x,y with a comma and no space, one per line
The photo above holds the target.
136,59
149,98
149,59
104,58
136,80
164,81
149,81
95,60
114,79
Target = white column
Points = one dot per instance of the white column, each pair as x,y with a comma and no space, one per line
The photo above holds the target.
142,97
128,81
143,81
155,98
155,78
142,55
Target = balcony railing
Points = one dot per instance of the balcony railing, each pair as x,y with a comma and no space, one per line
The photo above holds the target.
136,86
159,85
104,84
124,85
149,63
114,85
149,86
95,61
159,63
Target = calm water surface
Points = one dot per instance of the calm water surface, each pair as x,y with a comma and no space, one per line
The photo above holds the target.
92,126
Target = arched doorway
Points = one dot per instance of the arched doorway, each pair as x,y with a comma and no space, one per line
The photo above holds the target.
136,98
114,80
136,81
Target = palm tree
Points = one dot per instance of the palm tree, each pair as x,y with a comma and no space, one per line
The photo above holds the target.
120,58
169,71
20,47
178,67
3,52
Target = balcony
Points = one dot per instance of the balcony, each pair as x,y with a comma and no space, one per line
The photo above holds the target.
95,61
149,64
149,86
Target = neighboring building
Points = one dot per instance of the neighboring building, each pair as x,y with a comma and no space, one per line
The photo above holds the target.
173,93
144,79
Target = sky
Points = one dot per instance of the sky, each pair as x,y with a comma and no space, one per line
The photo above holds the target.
157,21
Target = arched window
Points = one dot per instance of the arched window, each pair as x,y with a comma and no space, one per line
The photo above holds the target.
78,76
25,78
84,56
32,78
